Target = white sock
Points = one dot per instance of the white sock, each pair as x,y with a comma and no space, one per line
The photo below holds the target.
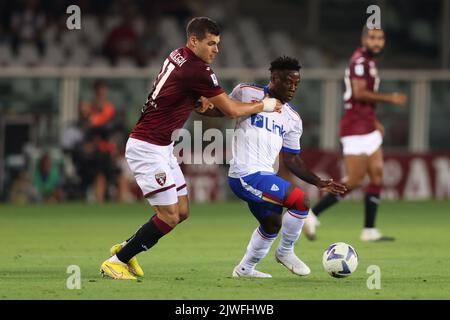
257,249
114,259
291,229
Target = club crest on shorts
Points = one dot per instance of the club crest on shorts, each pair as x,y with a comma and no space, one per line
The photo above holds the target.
161,178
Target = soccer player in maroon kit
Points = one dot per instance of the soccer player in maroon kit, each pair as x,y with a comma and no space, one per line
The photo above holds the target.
185,77
361,134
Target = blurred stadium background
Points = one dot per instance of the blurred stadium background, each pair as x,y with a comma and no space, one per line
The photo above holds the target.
55,147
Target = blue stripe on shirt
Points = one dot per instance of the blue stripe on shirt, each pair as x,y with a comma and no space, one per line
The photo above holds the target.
294,151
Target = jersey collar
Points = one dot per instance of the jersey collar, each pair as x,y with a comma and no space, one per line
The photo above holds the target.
192,54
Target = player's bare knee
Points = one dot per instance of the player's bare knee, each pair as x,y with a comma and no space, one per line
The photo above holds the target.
376,181
183,215
172,220
271,227
352,184
377,175
169,214
272,223
274,229
276,226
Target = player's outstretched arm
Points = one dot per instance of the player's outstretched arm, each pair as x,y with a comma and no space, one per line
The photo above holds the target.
361,93
235,109
296,165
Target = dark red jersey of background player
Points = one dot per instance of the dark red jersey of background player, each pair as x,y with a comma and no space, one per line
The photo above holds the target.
183,78
359,117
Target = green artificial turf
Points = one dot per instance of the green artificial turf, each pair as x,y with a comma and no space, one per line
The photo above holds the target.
195,260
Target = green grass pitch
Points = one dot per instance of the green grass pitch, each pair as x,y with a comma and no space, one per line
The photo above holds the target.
195,261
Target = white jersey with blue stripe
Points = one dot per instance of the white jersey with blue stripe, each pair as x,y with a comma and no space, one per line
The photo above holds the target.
258,138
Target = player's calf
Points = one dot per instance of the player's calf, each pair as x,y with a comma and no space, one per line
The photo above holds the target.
145,238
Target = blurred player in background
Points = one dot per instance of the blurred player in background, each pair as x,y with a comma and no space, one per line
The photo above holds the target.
361,134
257,142
184,77
96,159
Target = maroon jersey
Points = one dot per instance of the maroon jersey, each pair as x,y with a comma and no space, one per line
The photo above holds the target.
359,116
183,78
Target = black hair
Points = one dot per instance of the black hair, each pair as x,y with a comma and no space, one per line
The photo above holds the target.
285,63
99,83
365,30
199,26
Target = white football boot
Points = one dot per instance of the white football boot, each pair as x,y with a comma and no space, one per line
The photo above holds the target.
373,234
253,274
293,263
311,223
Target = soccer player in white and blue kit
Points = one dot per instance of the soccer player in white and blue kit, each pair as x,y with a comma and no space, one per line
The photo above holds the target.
257,142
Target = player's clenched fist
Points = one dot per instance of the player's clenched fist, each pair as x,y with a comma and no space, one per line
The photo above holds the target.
203,104
399,99
271,104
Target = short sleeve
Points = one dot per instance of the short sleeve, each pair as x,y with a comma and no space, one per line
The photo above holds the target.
291,140
359,69
236,94
205,83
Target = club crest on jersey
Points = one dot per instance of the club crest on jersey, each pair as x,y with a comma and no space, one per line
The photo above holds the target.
161,178
359,69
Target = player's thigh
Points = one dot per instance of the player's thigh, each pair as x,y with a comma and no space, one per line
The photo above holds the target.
257,187
279,192
375,167
178,177
356,167
263,193
272,188
152,171
181,187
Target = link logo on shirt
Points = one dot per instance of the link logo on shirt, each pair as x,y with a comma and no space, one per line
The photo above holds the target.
260,121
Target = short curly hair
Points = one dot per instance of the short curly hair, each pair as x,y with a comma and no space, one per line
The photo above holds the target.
285,63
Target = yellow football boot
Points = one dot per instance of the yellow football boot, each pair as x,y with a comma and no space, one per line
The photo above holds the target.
133,264
116,271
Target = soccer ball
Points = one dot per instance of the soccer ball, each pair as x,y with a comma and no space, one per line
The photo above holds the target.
340,260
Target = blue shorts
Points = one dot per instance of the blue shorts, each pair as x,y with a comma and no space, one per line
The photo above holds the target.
264,192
